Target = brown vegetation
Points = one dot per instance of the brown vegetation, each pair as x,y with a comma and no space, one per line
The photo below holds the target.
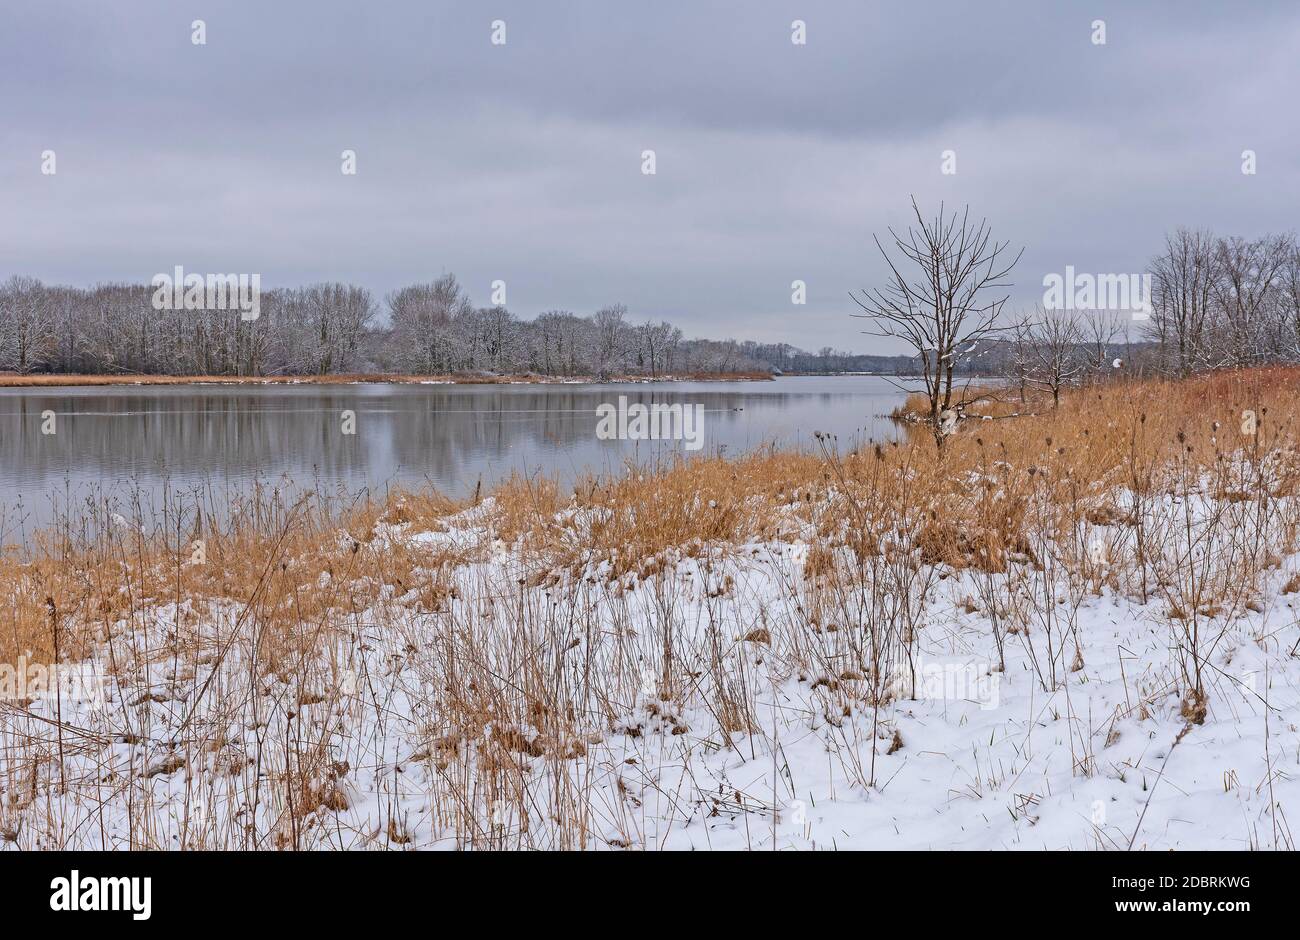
295,591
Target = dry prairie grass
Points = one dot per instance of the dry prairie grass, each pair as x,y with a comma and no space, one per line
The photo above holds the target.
968,512
1148,489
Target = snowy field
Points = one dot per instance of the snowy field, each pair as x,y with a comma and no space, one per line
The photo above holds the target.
721,697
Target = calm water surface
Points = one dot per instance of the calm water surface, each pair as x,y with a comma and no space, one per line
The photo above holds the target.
112,442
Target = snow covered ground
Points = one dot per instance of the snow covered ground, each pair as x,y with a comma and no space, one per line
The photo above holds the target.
363,738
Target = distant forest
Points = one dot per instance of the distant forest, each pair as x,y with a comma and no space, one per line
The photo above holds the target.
1217,302
324,329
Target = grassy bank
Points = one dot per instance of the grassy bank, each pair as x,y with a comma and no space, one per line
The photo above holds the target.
716,652
13,380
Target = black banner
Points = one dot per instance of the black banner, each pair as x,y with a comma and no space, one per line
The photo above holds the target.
151,891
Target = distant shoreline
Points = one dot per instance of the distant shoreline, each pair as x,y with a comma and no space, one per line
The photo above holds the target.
71,381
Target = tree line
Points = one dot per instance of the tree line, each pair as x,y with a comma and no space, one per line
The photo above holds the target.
1214,302
332,328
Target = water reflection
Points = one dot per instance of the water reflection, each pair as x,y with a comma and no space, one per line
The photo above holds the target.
451,436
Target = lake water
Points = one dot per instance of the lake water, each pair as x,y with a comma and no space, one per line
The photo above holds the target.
110,442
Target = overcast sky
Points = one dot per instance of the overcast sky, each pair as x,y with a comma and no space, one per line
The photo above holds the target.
522,162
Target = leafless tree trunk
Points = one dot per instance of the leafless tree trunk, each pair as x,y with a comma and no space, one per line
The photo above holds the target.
1183,283
1020,355
1288,326
1249,273
947,303
27,339
611,339
1100,331
1055,337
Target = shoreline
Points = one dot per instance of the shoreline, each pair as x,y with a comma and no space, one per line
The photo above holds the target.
77,381
422,672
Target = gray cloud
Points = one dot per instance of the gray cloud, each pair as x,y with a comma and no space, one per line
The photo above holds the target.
521,162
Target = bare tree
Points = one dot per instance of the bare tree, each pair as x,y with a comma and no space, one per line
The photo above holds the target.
611,339
548,342
1183,286
1019,362
1288,306
1100,331
27,339
563,341
1055,337
423,318
945,307
333,318
1249,272
500,339
655,339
